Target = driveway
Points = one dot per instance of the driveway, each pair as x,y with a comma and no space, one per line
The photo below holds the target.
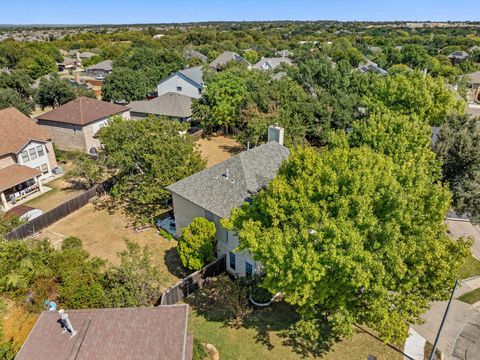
459,316
467,344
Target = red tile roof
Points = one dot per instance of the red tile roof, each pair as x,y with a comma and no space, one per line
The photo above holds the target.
16,174
16,130
157,333
82,111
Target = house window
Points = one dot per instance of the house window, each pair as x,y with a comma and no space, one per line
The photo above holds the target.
44,169
40,150
179,88
232,258
248,269
33,154
25,157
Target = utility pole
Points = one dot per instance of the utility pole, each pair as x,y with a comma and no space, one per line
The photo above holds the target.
432,354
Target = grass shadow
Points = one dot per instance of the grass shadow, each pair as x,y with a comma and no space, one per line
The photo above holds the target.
231,149
279,318
174,264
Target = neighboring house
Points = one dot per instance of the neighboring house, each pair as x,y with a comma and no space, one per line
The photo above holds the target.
187,82
375,50
26,157
283,53
225,58
102,68
85,55
74,125
474,49
106,334
370,66
271,63
171,104
457,57
69,64
193,54
473,79
214,192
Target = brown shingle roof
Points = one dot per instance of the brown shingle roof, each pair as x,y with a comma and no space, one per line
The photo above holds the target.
130,333
15,174
82,111
16,130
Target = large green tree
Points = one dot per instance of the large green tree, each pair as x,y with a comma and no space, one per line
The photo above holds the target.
54,92
125,84
458,147
9,97
356,233
221,101
414,94
148,155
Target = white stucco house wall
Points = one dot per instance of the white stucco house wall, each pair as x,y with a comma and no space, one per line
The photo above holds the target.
188,82
212,194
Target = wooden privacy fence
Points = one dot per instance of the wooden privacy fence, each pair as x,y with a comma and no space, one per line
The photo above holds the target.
193,282
55,214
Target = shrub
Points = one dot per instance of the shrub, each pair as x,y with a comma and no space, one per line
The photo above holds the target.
196,246
71,242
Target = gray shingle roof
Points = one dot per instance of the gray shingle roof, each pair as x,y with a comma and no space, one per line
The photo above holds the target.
458,55
194,73
191,54
473,78
229,184
105,65
368,66
169,104
225,57
271,63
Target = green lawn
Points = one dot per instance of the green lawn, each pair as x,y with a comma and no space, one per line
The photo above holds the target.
261,337
471,297
470,268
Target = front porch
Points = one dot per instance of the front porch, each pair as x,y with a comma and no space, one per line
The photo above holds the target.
18,184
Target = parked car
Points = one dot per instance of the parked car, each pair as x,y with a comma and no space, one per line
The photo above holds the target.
99,77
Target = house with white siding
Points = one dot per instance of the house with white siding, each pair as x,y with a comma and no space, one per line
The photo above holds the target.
188,82
26,157
214,192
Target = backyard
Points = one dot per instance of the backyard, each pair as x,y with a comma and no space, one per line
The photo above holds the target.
103,231
60,192
215,149
262,336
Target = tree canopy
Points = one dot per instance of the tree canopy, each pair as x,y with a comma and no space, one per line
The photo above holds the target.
147,155
458,147
348,233
196,246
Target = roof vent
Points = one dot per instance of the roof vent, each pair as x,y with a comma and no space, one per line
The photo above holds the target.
275,133
66,324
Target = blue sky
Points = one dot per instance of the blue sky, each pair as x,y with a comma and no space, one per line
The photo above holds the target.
151,11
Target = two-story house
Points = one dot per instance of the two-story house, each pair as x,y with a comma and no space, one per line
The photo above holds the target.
188,82
214,192
26,157
74,125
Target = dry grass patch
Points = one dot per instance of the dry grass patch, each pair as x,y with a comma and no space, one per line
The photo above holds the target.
17,324
215,149
61,192
103,232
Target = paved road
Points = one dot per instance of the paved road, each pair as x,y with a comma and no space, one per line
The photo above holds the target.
467,345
